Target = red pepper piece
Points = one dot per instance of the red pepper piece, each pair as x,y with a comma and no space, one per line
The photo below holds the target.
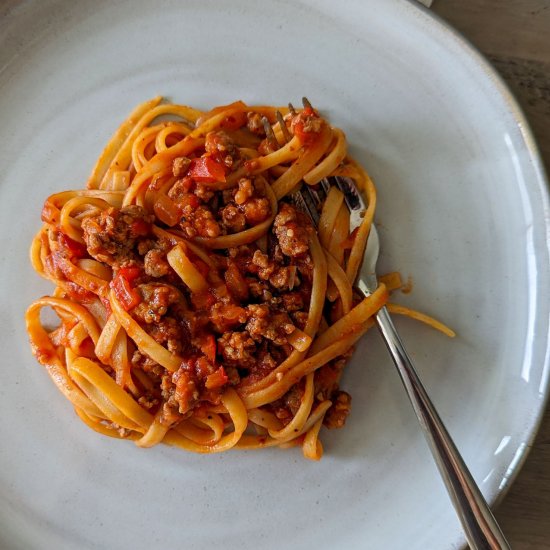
125,294
130,273
206,170
75,249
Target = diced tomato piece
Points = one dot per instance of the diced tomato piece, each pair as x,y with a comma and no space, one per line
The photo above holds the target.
203,300
206,170
125,294
202,367
208,347
130,273
140,228
227,316
217,379
167,211
75,249
234,122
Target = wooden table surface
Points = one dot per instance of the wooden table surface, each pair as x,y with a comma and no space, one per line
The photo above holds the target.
515,36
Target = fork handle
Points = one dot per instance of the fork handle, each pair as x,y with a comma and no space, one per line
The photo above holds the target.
480,527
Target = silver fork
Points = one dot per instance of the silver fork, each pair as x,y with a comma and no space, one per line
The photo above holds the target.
480,527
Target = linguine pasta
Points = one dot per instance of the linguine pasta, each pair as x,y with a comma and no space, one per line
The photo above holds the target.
197,307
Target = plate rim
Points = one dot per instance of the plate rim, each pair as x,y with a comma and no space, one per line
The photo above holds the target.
471,51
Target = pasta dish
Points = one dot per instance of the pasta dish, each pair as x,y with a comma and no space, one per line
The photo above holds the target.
197,305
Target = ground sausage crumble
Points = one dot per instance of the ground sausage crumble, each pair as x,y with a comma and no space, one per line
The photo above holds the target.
235,332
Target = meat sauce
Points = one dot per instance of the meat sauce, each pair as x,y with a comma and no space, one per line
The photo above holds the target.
237,331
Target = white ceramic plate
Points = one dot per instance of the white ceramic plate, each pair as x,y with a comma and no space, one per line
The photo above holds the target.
463,210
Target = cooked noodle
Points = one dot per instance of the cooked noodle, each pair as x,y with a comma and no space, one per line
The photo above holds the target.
197,306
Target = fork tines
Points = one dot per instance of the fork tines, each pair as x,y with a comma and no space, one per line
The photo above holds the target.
309,199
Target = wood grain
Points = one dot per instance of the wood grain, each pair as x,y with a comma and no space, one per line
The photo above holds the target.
515,36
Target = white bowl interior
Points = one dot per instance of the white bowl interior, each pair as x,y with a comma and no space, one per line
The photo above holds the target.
462,210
